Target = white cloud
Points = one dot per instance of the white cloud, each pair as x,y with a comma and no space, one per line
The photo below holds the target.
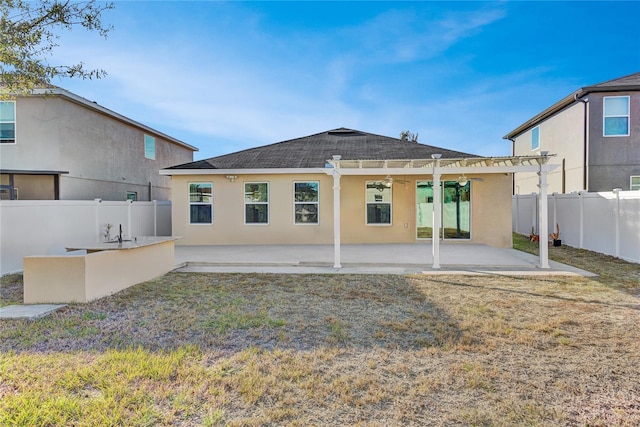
223,94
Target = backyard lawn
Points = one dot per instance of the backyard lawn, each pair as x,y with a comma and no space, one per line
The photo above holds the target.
195,349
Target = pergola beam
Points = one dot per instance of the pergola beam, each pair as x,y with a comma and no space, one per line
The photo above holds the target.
439,169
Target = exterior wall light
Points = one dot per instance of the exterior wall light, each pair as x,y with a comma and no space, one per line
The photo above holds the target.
232,178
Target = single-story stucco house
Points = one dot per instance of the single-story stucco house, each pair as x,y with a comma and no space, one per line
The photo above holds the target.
346,186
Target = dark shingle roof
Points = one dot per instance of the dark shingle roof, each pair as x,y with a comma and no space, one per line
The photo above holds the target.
630,82
314,150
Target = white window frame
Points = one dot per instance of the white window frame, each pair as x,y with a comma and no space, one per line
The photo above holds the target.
535,131
367,203
210,203
317,203
15,127
605,116
148,139
244,196
633,186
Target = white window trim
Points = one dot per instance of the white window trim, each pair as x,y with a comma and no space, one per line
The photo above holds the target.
144,142
531,143
366,205
628,116
244,198
317,203
631,184
197,224
15,126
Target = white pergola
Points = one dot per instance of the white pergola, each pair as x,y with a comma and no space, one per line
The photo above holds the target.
436,167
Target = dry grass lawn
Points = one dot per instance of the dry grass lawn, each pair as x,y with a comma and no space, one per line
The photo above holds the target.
193,349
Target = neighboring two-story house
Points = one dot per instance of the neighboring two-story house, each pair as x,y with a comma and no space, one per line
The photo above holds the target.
595,135
57,145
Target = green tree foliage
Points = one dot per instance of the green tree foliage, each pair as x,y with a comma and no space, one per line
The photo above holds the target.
29,31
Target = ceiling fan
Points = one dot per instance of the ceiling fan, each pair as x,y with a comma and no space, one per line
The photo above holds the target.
463,179
390,180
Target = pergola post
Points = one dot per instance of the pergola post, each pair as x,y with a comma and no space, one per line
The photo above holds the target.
543,218
437,214
336,219
337,167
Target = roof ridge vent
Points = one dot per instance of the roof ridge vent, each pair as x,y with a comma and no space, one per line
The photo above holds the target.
344,132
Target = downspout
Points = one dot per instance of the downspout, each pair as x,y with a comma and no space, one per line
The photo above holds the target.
585,141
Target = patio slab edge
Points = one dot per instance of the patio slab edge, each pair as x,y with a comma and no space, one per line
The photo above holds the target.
28,311
325,268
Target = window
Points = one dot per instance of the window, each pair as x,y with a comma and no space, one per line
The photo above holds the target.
535,138
256,203
132,195
455,207
305,202
7,122
149,147
378,201
616,116
200,203
635,183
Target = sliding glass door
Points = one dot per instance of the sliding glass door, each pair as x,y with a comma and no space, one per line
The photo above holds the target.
456,210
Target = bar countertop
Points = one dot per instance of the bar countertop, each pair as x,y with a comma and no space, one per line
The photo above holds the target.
135,242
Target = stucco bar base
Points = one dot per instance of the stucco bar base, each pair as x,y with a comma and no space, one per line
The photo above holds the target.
103,271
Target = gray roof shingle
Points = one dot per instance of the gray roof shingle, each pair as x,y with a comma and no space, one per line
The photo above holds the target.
630,82
314,150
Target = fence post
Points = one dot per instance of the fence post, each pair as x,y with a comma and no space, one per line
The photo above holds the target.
543,219
555,212
534,216
581,196
517,214
129,205
616,212
155,218
98,228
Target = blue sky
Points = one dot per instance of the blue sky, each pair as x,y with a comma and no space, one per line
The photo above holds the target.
226,76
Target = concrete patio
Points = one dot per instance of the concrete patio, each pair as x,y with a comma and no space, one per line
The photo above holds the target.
456,258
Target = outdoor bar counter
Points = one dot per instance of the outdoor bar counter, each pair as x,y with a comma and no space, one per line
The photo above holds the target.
106,268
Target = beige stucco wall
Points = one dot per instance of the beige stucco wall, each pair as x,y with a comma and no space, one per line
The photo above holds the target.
490,216
491,211
228,226
562,135
84,278
104,156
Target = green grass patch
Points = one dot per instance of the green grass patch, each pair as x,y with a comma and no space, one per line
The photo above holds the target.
611,271
261,350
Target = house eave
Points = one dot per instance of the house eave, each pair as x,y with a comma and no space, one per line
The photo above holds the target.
566,102
537,119
266,171
96,107
475,165
32,172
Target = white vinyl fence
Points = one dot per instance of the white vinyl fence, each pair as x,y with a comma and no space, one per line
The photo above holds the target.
45,227
606,222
